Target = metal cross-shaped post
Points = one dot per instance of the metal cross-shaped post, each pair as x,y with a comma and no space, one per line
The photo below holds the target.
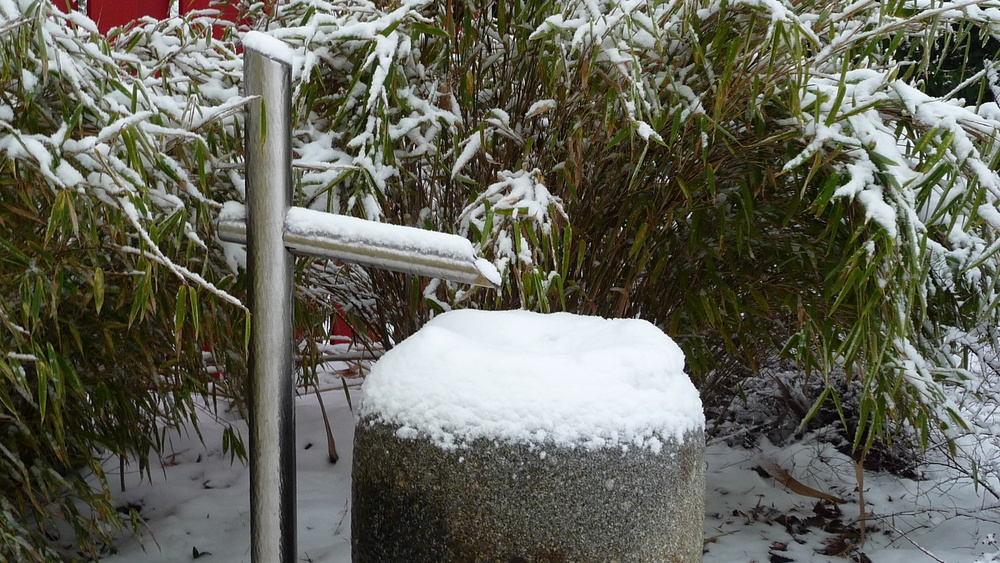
273,231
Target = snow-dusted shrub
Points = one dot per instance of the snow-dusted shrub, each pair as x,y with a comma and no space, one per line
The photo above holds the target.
754,176
111,159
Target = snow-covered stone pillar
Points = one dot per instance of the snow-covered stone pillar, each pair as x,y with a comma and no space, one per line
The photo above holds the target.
267,73
516,436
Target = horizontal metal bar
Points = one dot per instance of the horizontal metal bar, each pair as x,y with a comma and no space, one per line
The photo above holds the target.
323,357
349,356
391,247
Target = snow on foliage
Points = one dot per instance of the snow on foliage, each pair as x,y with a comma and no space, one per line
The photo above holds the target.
413,118
121,96
735,171
114,158
388,128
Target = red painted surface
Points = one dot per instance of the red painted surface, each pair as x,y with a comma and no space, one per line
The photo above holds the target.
228,10
65,5
340,331
114,13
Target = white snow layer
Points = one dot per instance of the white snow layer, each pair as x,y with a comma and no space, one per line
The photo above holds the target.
363,232
270,47
540,379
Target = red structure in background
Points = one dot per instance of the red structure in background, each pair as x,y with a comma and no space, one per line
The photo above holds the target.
229,11
340,331
115,13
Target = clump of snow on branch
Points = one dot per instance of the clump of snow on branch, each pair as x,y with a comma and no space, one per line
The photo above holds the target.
517,196
330,36
396,109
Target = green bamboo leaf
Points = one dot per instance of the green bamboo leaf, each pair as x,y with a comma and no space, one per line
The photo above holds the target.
347,393
881,159
620,136
310,11
246,330
7,404
99,289
180,308
56,364
639,240
13,254
140,300
567,246
833,116
69,375
426,29
862,433
487,233
195,313
529,230
36,298
42,374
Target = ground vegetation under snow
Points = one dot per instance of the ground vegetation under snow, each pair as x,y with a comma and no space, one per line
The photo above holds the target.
196,504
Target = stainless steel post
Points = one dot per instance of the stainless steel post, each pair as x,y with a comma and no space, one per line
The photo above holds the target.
270,268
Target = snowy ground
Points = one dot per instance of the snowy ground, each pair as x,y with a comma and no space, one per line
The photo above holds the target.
197,507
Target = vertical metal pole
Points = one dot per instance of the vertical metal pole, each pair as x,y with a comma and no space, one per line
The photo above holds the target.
272,418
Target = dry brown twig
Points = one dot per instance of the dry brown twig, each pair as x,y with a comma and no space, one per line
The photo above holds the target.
780,475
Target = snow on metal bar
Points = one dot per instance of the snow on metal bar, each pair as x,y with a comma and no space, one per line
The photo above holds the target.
391,247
